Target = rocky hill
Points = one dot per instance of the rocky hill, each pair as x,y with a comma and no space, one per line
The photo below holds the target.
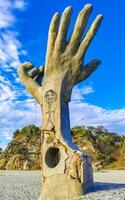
23,152
106,149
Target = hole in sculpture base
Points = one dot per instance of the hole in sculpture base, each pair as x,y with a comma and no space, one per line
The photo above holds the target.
52,157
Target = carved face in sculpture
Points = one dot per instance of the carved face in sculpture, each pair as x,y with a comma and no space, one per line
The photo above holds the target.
50,96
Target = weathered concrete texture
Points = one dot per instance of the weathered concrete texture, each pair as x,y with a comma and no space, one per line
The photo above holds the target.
62,162
59,187
66,173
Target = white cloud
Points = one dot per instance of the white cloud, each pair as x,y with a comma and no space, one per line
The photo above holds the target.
10,50
6,16
20,4
15,114
20,113
7,7
10,46
6,93
3,80
83,113
17,109
80,93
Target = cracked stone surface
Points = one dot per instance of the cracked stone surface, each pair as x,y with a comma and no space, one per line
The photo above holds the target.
65,173
52,87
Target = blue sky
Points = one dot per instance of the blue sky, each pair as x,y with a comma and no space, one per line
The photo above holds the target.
100,100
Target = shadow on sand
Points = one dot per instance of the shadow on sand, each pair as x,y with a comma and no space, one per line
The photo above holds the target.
108,186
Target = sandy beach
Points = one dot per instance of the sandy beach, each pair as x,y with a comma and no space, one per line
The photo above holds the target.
20,185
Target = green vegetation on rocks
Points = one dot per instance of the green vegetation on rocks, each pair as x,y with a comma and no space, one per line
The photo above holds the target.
106,149
23,152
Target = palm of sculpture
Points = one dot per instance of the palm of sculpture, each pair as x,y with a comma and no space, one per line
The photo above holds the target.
64,69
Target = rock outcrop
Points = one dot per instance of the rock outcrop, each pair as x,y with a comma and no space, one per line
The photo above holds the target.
106,149
23,152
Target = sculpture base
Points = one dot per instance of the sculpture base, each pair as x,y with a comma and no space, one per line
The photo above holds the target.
60,187
65,173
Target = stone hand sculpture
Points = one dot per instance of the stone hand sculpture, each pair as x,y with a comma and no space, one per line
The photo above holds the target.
52,86
64,66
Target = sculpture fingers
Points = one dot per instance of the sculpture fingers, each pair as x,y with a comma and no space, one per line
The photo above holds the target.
79,27
89,36
37,74
40,75
53,30
30,84
41,69
87,70
63,28
33,72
